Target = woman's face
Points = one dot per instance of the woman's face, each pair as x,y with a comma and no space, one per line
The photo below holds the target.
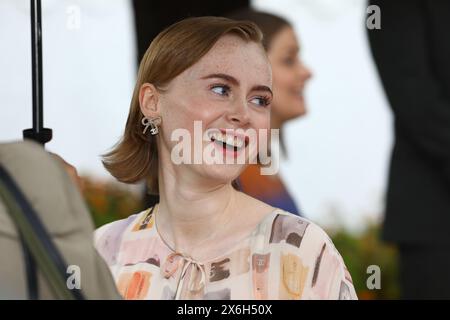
289,77
228,88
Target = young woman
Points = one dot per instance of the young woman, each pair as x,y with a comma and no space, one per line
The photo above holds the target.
205,239
290,76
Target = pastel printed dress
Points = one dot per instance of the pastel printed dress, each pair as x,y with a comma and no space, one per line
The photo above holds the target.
285,257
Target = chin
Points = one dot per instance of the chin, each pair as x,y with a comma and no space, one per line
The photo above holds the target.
302,112
222,173
299,111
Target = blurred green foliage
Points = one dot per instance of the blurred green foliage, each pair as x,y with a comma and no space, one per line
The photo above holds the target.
362,250
109,201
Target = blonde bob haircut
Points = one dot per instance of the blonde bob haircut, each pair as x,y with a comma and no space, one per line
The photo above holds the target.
135,157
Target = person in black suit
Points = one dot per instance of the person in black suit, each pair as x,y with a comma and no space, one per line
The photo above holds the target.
412,53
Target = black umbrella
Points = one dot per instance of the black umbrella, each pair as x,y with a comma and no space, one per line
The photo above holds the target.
38,133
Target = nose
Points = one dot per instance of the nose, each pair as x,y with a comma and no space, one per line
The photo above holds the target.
305,72
238,113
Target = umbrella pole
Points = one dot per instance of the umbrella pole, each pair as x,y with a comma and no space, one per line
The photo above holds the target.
38,133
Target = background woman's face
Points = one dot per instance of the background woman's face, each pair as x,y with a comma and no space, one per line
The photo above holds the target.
289,76
228,88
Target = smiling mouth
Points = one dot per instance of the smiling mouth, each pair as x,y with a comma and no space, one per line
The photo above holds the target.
228,141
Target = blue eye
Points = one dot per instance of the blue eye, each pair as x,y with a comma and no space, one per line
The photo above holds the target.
221,89
262,101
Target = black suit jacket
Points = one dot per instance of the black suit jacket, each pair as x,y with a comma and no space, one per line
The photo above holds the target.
412,53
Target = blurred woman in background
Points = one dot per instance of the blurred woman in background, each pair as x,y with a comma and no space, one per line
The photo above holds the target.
289,78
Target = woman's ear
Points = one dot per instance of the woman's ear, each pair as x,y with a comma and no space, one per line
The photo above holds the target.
148,100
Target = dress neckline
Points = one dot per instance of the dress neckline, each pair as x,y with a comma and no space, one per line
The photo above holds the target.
264,220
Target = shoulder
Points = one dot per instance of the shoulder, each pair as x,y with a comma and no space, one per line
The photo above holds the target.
308,247
291,229
107,238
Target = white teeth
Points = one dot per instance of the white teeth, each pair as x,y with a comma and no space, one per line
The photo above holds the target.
228,139
238,142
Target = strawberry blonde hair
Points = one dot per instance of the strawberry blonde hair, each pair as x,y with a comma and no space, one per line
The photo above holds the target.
175,49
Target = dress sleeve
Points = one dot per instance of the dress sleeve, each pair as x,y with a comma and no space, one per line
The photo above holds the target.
329,278
107,239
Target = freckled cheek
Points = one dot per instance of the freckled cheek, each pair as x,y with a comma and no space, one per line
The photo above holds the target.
260,122
205,111
184,117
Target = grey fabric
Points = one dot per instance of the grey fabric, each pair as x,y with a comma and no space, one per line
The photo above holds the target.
63,212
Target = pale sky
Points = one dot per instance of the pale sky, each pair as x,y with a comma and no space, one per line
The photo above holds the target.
338,153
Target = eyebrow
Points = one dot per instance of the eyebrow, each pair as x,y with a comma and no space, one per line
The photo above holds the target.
235,81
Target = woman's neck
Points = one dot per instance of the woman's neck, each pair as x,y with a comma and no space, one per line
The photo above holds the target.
191,215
